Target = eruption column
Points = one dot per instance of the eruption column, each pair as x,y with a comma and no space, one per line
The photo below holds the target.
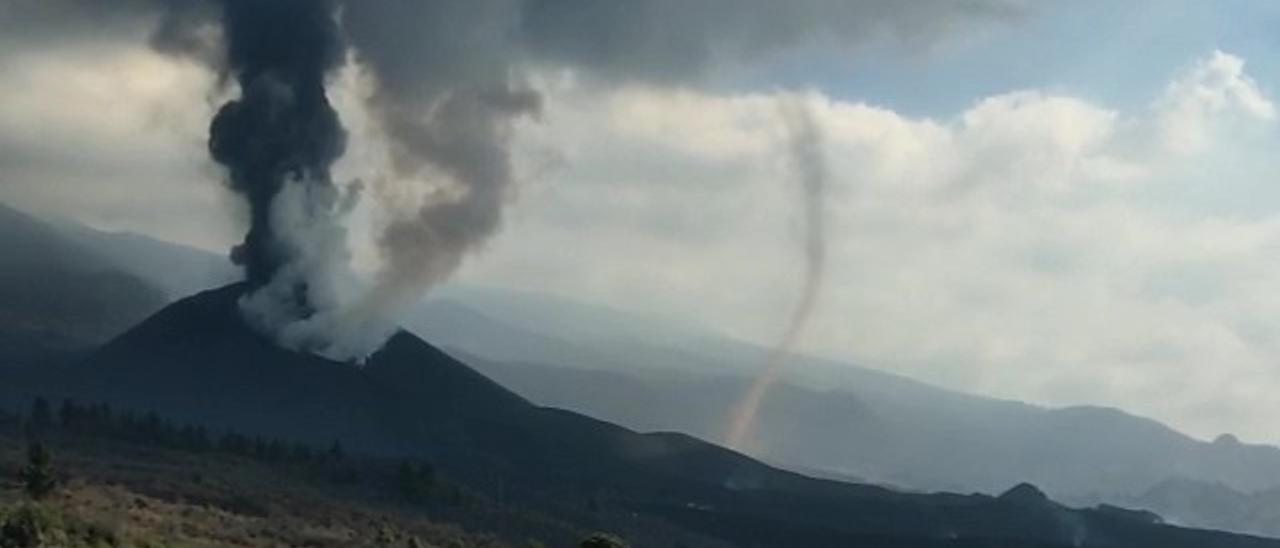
278,140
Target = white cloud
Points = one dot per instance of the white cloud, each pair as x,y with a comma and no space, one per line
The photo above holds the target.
1018,249
113,136
1215,91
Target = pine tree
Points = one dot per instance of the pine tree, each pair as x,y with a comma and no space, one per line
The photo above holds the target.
38,476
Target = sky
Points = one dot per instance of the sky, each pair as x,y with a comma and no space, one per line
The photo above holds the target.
1066,203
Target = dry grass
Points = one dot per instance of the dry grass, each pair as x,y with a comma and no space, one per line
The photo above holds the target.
131,496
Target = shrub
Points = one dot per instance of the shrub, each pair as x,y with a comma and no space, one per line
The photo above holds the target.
37,476
29,527
602,540
38,526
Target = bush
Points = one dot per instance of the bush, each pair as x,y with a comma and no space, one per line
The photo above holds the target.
36,526
29,527
602,540
37,476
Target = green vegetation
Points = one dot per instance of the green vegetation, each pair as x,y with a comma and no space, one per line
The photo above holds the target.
603,540
102,422
38,477
128,480
38,526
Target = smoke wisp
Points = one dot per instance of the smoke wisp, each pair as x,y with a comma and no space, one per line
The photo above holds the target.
809,167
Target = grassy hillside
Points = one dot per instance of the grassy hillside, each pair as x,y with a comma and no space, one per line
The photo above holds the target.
117,492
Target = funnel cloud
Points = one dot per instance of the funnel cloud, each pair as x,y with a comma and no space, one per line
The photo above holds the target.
810,170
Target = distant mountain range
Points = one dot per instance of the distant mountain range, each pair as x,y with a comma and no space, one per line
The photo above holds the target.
831,419
59,296
1214,505
844,420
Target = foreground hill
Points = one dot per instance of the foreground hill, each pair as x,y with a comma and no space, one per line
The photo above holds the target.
196,362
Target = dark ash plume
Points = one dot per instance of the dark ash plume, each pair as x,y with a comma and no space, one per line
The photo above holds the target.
810,168
278,140
282,127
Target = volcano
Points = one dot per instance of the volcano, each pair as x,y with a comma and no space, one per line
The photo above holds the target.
197,362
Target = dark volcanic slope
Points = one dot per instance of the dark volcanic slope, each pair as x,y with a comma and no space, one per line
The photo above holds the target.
195,361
